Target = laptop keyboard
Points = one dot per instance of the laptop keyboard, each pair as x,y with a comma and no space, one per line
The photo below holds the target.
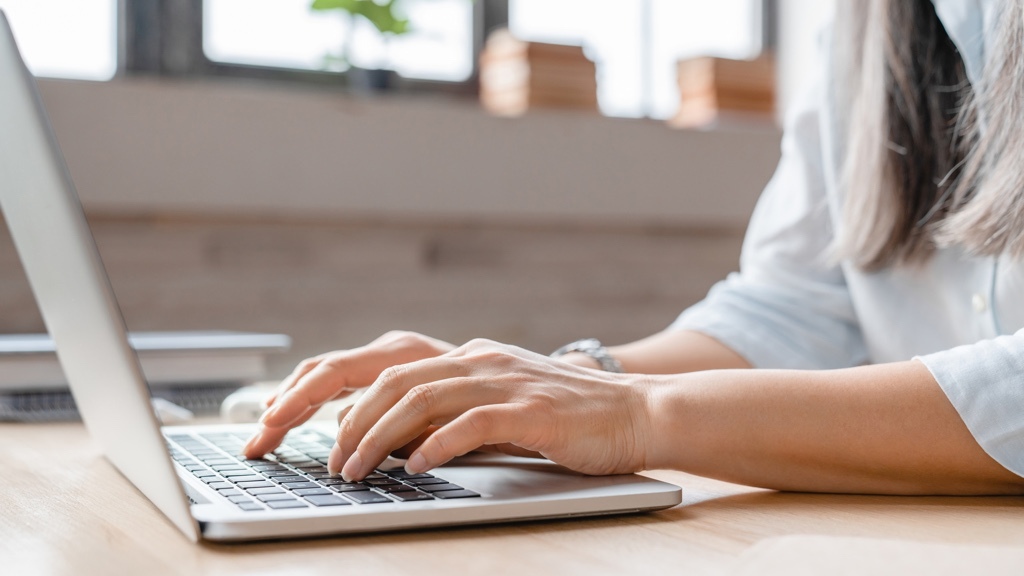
295,475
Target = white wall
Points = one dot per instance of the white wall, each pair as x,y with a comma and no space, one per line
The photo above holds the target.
234,147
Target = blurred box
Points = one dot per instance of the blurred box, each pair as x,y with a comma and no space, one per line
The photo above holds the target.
713,90
518,76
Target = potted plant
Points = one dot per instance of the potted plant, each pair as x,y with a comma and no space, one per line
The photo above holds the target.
382,14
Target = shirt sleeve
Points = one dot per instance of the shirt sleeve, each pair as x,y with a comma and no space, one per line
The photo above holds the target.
985,383
789,306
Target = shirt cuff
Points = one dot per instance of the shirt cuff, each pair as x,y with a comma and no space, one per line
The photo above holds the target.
985,383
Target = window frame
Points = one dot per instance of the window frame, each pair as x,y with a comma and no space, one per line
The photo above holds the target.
165,38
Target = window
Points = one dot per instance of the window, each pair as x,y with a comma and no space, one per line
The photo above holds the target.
287,34
66,38
636,44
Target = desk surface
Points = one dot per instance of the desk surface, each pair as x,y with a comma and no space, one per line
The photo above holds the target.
65,510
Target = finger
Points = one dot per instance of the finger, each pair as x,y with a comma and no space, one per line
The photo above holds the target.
301,369
495,424
325,382
267,438
344,412
436,403
404,452
392,385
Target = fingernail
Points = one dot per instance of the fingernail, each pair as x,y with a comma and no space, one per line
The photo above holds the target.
334,461
252,442
352,467
268,414
417,464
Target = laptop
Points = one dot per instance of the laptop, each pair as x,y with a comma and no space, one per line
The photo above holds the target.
192,474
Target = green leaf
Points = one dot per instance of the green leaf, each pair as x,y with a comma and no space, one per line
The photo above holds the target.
381,14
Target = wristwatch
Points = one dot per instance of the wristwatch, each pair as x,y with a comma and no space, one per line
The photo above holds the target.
591,347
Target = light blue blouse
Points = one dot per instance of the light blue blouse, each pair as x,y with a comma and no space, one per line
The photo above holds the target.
788,307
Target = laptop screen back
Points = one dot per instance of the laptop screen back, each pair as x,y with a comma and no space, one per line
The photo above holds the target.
74,295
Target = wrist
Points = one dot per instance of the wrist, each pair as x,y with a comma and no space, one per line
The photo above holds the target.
581,359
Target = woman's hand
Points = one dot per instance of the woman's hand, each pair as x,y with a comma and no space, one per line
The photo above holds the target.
331,376
490,394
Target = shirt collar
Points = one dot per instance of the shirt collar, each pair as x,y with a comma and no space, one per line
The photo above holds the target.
968,22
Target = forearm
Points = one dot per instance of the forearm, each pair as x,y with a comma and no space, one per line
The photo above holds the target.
669,352
873,429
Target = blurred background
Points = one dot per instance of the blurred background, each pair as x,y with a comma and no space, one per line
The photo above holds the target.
533,171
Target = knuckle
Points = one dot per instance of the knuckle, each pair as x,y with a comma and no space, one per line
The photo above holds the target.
494,357
391,377
404,340
371,441
442,446
421,399
480,422
480,344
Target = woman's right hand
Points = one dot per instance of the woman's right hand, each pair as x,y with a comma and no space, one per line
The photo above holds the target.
331,376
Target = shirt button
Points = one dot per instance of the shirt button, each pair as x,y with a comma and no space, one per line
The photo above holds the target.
979,303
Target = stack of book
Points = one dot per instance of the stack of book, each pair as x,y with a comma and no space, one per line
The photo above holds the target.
195,370
518,76
715,90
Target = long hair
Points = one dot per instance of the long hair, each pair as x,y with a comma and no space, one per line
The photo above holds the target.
929,160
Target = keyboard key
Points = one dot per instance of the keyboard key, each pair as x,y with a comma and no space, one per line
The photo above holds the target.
284,504
403,475
204,474
425,481
287,479
242,499
367,497
212,479
261,491
262,484
380,482
452,494
220,485
230,492
298,485
218,461
313,492
248,478
228,466
349,488
432,488
328,500
314,467
395,488
411,496
250,506
268,467
333,481
284,472
275,498
235,473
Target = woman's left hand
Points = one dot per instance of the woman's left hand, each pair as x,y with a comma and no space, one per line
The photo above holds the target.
490,394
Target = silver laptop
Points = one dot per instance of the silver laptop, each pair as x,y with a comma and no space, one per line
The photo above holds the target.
192,473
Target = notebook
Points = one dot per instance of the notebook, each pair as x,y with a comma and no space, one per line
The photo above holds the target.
192,474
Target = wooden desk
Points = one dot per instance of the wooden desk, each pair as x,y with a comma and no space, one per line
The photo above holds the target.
65,510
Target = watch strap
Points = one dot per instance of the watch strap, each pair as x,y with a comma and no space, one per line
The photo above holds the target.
591,347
